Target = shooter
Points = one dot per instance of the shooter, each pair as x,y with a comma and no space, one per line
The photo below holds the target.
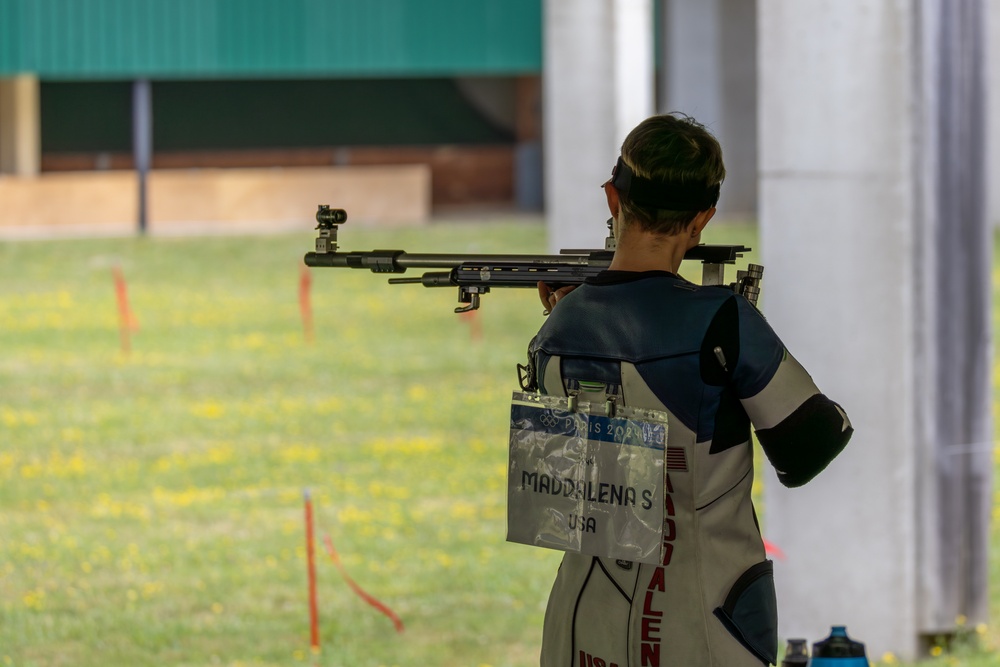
642,335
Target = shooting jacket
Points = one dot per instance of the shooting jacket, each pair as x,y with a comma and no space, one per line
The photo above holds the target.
707,357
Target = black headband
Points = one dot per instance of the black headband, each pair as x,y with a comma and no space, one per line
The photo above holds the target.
664,195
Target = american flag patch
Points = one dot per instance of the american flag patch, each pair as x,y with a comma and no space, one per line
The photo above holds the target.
676,459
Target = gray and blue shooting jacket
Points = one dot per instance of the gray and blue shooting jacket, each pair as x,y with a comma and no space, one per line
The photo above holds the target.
708,358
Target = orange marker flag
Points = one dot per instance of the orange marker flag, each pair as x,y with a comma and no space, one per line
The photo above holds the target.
335,557
305,304
126,320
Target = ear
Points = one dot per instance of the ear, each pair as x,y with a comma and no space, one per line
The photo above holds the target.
612,194
700,221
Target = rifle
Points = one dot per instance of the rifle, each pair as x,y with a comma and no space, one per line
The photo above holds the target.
475,275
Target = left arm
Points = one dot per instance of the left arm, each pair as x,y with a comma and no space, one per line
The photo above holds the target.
800,430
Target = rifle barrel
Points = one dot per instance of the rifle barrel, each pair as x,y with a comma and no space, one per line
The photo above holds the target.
398,261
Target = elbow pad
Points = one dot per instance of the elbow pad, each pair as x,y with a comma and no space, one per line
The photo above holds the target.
806,441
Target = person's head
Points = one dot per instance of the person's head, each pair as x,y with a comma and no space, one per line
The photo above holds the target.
669,172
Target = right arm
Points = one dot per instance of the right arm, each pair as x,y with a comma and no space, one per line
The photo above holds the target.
550,297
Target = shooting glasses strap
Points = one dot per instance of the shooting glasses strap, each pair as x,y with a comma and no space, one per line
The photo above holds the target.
664,195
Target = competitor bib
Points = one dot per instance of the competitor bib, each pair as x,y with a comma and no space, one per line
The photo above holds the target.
582,481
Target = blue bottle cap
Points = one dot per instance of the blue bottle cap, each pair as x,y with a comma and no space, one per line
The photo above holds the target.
839,650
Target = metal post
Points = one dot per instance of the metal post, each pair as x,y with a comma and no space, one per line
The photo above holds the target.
142,142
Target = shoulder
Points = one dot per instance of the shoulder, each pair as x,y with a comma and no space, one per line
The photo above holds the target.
633,320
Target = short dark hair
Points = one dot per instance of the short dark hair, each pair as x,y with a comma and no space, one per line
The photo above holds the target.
674,149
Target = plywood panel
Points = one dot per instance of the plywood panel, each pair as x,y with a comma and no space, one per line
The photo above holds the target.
214,199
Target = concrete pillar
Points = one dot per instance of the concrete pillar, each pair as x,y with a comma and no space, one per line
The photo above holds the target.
954,561
597,85
20,126
877,252
709,71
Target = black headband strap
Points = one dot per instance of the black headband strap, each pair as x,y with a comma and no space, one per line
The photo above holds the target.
664,195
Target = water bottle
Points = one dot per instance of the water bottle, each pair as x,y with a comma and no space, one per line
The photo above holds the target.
796,653
839,650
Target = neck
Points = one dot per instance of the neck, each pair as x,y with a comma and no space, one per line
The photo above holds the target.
639,250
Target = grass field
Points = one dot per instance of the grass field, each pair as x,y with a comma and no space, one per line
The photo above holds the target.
151,502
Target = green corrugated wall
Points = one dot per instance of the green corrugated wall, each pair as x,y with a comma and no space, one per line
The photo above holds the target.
188,39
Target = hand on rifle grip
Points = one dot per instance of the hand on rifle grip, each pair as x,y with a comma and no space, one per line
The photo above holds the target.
550,297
